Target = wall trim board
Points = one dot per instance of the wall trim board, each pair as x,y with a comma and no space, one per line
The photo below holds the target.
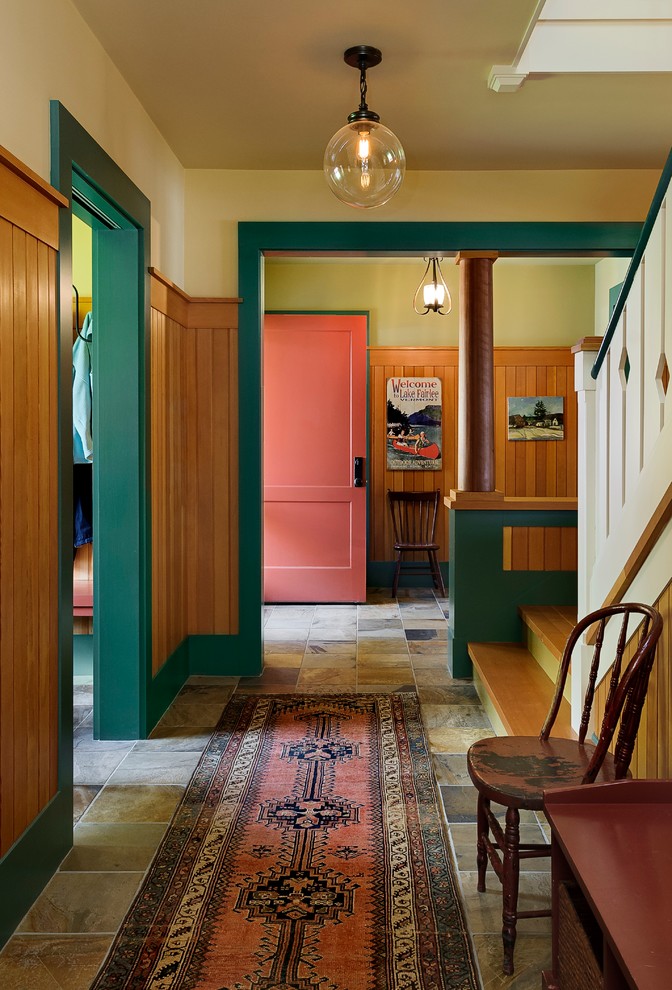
192,312
25,173
29,208
30,863
257,238
412,355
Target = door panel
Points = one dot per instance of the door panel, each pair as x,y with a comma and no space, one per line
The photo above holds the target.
314,427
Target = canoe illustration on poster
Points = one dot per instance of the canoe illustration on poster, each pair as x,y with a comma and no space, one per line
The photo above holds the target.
414,437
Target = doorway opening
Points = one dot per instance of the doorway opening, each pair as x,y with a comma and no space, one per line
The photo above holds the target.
118,217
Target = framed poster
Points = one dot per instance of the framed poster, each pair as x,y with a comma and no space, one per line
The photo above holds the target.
536,417
414,435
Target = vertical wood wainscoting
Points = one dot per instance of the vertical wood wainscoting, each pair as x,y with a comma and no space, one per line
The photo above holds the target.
28,498
653,750
540,469
194,468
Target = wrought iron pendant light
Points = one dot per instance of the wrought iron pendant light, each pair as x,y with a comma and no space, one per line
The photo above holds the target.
364,162
434,291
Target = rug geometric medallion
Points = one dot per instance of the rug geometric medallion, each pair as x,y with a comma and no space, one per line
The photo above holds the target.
306,854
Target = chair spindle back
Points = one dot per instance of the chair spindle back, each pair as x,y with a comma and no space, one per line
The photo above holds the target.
414,516
627,689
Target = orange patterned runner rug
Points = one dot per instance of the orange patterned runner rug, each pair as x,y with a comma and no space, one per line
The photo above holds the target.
307,854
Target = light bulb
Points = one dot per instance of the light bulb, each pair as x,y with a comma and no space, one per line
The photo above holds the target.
434,292
365,178
433,295
363,145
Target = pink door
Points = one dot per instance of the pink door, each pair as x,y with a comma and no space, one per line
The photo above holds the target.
314,428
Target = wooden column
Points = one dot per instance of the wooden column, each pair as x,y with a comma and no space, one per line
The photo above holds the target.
476,417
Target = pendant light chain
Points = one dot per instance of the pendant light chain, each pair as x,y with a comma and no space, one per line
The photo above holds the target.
362,86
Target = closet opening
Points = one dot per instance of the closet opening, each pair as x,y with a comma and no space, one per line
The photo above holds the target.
82,466
104,287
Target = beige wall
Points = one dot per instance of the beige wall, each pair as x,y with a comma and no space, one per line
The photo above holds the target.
82,257
48,52
608,273
534,304
217,200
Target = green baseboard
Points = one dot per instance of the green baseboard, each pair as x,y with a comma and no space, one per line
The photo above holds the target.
226,656
32,861
167,683
380,574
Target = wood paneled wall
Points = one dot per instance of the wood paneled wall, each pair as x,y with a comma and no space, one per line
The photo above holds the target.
522,468
653,751
169,485
535,468
539,548
28,498
194,467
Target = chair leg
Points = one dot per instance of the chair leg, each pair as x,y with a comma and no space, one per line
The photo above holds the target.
510,882
397,571
483,829
436,573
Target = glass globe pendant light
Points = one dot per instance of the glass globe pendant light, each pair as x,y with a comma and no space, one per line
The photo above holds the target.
364,162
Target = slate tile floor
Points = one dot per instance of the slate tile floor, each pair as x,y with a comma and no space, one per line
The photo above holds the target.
126,792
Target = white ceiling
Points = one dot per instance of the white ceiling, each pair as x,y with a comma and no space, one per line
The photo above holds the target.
238,84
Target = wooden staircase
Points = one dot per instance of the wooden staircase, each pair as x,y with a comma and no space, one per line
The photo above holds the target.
516,681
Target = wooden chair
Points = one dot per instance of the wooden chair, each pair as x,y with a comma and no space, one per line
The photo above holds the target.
414,522
514,771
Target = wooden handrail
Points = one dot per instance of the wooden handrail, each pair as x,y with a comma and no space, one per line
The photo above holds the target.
635,262
645,544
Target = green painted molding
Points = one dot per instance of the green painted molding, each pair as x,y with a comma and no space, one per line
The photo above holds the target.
608,239
483,598
380,573
81,168
30,863
257,238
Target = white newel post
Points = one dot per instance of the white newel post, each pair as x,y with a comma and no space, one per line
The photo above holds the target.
587,457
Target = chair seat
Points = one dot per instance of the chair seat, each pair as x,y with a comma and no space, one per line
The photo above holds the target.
516,770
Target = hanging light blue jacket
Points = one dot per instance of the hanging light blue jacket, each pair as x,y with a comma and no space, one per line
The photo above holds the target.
82,394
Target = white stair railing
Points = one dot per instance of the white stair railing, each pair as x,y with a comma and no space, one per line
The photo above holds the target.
625,437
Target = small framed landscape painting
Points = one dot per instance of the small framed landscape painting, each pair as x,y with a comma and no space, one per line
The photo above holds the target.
536,417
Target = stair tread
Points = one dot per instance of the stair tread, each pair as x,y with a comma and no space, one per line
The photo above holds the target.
551,623
518,688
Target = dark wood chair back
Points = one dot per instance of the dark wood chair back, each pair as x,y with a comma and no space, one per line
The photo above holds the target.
627,687
414,516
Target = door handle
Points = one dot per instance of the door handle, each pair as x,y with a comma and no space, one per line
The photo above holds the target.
358,480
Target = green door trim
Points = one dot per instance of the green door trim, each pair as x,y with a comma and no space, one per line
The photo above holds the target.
255,240
79,164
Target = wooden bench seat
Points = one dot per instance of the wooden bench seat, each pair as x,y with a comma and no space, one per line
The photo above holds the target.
514,689
82,598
